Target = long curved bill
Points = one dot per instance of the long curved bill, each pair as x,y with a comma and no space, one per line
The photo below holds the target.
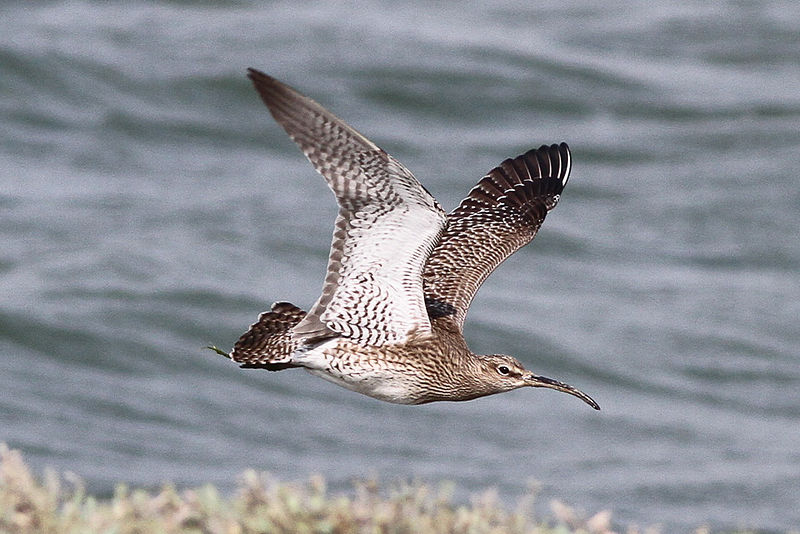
544,382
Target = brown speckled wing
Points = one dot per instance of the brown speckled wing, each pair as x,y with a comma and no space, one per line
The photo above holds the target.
386,227
501,214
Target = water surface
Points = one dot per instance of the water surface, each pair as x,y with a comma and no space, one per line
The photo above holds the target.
149,206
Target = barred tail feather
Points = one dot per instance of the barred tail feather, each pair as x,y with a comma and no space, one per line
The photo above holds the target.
268,343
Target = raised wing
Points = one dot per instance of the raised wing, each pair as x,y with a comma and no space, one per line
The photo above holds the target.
501,214
386,227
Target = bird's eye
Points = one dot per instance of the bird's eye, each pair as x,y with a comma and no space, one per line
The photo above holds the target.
503,370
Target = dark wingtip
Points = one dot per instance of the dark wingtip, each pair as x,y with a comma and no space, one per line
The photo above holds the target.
260,79
275,94
254,73
553,160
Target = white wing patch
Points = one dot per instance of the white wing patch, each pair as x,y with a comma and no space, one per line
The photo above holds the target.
378,298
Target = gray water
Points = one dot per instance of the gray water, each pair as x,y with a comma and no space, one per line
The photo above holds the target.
149,206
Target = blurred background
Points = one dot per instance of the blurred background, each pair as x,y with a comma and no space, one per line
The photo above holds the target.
149,205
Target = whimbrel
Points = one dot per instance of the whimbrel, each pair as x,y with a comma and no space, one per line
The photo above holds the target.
401,273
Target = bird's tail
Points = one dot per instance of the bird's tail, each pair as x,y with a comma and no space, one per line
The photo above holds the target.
268,343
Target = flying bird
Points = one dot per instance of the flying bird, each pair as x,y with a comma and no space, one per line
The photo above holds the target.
401,272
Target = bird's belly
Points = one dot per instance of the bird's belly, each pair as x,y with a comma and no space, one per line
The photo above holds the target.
373,385
357,373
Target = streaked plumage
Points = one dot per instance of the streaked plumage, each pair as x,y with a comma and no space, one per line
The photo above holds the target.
401,274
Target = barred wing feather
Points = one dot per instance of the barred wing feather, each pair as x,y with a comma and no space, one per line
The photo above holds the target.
386,227
502,213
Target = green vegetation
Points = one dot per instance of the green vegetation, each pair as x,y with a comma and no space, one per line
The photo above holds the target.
58,504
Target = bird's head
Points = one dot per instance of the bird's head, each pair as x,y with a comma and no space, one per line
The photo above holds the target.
504,373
